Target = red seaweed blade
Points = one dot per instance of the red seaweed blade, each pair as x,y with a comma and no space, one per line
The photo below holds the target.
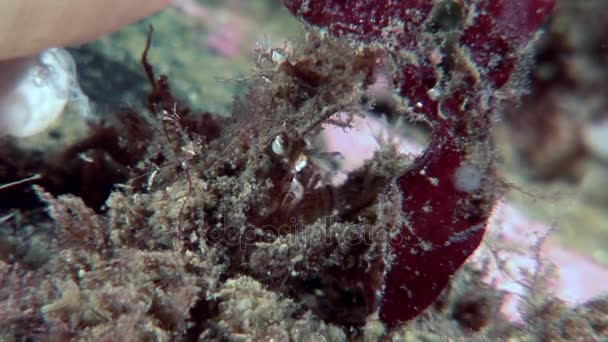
445,222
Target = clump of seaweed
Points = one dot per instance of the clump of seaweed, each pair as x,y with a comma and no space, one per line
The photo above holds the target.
235,229
201,208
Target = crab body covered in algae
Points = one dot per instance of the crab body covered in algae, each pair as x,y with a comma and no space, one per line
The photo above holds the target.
237,227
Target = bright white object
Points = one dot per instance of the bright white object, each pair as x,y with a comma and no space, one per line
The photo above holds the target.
34,91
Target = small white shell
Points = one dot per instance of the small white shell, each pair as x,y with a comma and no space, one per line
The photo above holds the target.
36,91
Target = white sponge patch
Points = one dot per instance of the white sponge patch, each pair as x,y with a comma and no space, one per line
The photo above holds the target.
467,178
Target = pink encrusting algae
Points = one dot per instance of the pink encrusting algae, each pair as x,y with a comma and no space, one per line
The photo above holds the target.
577,278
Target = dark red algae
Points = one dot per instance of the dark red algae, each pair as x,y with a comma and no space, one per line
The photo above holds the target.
451,78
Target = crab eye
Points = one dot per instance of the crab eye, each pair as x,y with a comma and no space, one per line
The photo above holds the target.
278,145
301,163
